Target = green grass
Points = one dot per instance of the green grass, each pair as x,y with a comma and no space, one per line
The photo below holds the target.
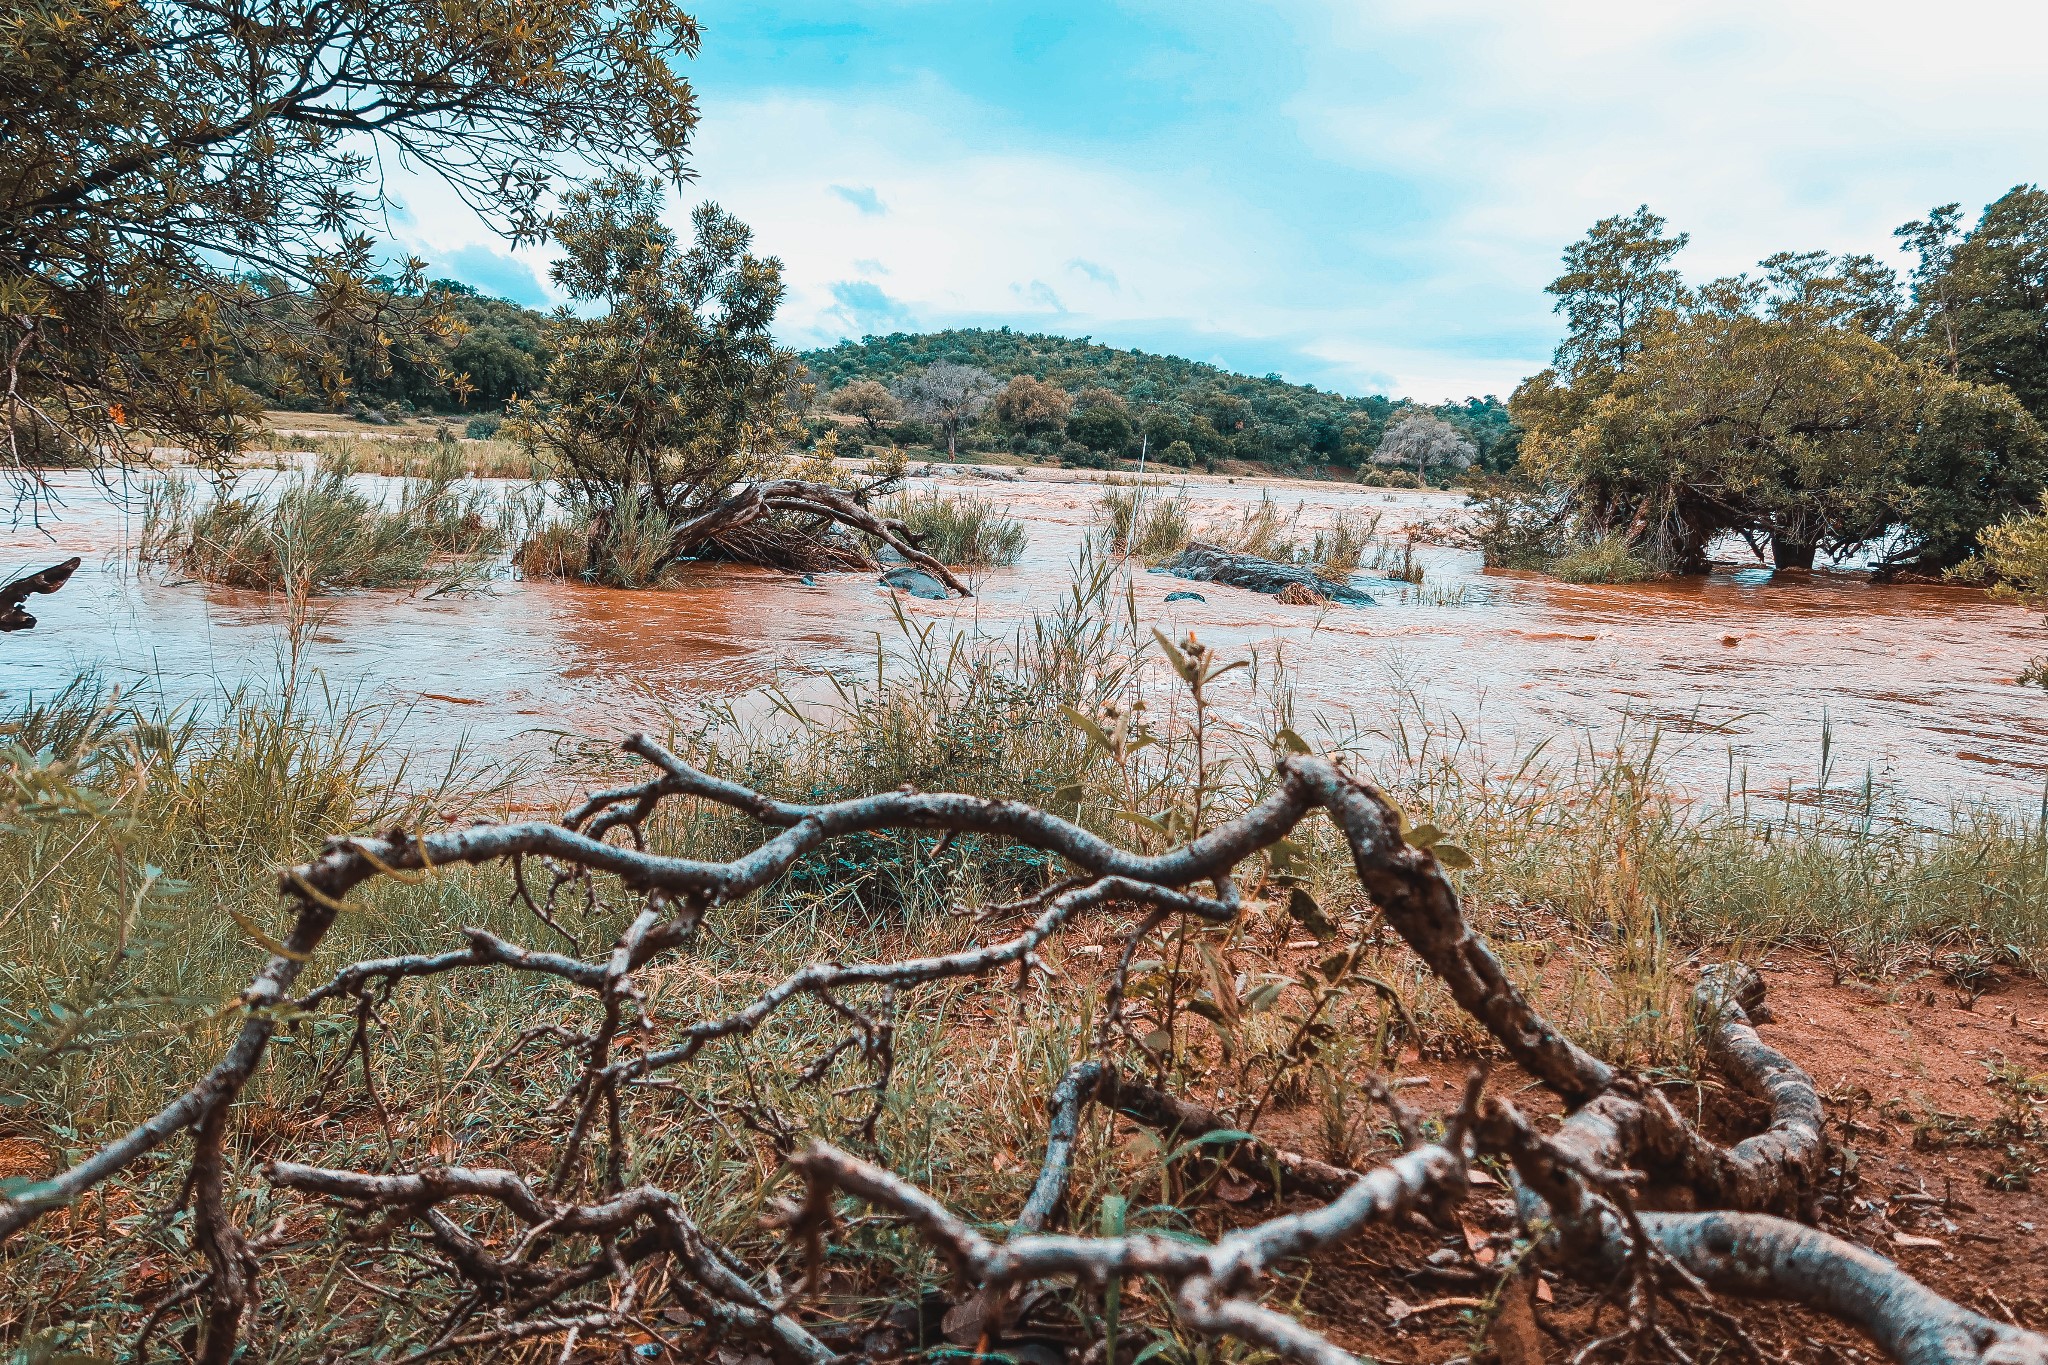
1610,558
414,456
960,530
321,532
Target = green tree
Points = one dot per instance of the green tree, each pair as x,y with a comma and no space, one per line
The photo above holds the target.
870,401
1101,422
948,396
1980,299
162,154
1029,408
677,392
1616,290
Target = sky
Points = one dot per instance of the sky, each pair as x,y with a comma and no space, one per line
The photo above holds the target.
1365,196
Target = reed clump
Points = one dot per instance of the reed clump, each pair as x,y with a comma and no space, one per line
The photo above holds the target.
415,457
322,532
961,530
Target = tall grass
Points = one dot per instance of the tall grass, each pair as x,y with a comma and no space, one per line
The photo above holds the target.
628,548
1610,558
961,530
1152,529
321,532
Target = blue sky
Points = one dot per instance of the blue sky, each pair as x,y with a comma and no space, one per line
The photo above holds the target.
1363,196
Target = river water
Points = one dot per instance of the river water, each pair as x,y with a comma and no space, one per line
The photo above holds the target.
1741,671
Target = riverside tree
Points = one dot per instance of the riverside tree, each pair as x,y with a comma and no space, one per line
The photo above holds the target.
668,418
1029,407
1425,442
871,402
1774,406
1980,298
161,155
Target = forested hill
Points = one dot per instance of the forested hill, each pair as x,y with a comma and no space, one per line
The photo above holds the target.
1264,419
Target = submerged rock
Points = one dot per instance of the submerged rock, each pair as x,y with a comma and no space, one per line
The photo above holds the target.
1205,563
916,582
1185,597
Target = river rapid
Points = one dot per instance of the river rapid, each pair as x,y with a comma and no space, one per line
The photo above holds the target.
1740,672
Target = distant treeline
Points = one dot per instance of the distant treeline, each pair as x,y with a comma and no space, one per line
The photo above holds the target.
474,354
1218,414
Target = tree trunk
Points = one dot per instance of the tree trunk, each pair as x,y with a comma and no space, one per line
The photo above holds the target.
1791,554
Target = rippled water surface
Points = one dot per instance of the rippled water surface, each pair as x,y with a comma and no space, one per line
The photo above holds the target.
1740,669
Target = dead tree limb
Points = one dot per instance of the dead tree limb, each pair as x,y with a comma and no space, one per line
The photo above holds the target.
735,513
13,615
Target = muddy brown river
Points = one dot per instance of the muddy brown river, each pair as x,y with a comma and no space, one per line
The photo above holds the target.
1741,671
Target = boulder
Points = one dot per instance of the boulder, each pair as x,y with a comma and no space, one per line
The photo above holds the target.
1205,563
1185,597
916,582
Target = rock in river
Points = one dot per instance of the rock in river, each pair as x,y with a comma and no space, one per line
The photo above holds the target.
916,582
1206,563
1185,597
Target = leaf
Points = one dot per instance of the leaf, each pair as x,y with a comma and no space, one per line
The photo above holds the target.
1068,794
1218,1138
1262,999
1159,1040
1284,856
1143,821
1422,836
1175,657
1451,855
1221,985
1291,742
269,944
1302,907
1095,733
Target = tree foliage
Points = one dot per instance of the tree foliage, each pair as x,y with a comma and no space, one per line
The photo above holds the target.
1786,406
1217,414
871,402
947,396
164,154
1425,442
677,391
1980,298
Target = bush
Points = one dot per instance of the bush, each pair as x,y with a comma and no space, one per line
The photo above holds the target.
1610,558
958,530
1179,454
1516,528
2012,558
630,549
483,427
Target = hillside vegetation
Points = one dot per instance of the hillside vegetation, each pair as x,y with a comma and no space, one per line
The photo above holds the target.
1217,413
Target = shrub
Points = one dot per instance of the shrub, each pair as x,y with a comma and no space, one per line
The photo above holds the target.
483,427
628,549
1610,558
2013,558
959,530
1516,528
